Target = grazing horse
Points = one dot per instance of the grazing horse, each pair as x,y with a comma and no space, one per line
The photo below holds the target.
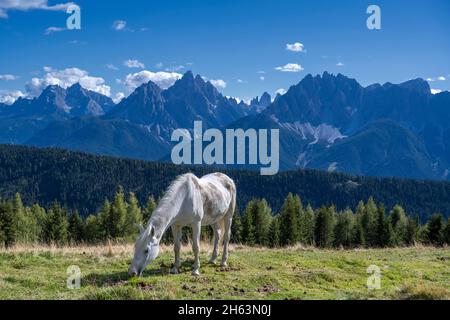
189,201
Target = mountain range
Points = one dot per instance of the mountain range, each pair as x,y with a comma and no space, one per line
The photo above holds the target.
327,122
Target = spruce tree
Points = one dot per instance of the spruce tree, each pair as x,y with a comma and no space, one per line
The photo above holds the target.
398,221
116,218
22,222
148,210
236,227
343,231
306,226
8,232
248,226
383,235
324,227
133,217
435,228
412,228
359,236
103,221
56,225
369,222
262,215
274,232
40,216
288,220
76,228
93,233
447,232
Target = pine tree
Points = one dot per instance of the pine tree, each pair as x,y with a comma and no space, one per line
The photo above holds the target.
435,229
288,220
56,225
324,227
76,228
149,208
274,232
133,217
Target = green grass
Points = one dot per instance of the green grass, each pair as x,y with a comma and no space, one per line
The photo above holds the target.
253,273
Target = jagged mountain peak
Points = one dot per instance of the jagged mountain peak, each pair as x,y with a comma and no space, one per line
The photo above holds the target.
420,85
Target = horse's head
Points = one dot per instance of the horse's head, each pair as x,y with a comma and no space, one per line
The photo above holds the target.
146,250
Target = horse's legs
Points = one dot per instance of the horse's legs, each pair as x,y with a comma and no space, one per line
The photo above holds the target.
196,228
217,233
226,239
176,231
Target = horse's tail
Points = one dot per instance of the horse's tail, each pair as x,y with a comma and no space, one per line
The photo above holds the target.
232,206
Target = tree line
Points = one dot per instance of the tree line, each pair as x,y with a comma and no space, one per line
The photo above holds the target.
370,225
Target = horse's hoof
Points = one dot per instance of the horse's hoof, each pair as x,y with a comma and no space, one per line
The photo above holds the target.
212,262
224,265
174,270
196,273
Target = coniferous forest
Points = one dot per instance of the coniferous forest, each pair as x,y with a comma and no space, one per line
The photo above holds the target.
63,197
369,225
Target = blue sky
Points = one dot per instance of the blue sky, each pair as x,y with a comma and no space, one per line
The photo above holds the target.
237,44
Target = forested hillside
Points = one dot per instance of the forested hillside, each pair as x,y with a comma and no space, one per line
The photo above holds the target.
82,181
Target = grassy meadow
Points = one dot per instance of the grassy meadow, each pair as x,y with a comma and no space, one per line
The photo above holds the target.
253,273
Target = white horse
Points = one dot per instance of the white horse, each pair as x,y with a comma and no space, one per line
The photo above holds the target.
189,201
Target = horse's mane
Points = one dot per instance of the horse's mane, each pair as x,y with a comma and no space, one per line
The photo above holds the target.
171,200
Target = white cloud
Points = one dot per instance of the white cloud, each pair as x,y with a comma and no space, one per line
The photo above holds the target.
219,83
440,78
241,81
290,67
295,47
51,30
118,97
280,91
26,5
159,65
66,78
119,25
175,68
340,64
134,64
261,72
8,97
8,77
262,78
112,67
435,91
162,79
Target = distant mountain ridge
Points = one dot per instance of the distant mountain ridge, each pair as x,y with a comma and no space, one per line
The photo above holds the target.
328,122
